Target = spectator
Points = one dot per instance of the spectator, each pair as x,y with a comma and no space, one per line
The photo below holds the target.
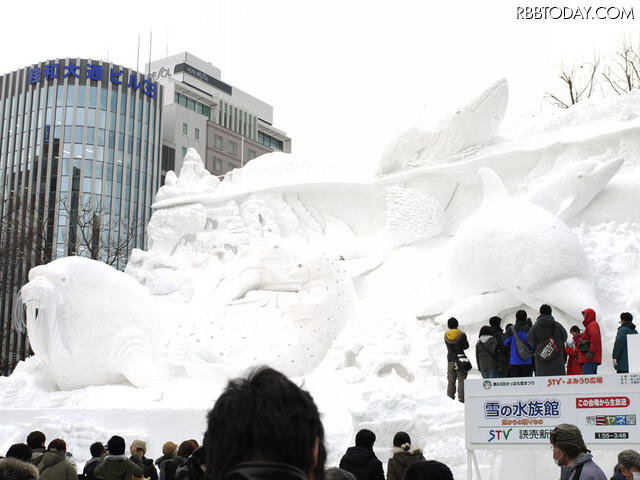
617,473
21,451
13,469
36,441
428,470
590,345
456,342
629,461
486,353
138,448
54,464
116,465
265,417
97,453
573,365
519,366
169,452
502,353
547,338
335,473
620,351
193,467
403,456
185,450
360,460
571,454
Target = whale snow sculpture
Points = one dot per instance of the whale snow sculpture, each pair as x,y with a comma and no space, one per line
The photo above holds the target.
466,131
90,324
511,252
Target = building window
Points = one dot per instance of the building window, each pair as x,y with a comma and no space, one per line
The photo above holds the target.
233,148
230,166
185,129
219,143
252,154
184,151
197,134
217,164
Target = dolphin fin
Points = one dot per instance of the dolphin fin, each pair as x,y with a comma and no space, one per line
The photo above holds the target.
564,206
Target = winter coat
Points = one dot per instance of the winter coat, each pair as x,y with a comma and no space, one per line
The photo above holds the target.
592,334
363,463
486,352
117,467
514,358
14,469
90,466
191,469
456,342
502,352
400,461
544,328
620,352
573,365
169,466
148,470
265,471
590,471
54,466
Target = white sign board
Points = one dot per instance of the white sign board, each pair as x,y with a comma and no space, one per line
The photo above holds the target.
633,348
520,412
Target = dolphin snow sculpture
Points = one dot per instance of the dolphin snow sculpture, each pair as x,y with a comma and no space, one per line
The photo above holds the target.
511,252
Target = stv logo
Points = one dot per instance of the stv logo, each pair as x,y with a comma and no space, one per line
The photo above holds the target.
496,434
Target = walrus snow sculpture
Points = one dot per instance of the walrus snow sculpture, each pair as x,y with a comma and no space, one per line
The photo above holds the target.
511,252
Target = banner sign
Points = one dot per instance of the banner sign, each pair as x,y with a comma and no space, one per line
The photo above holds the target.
522,411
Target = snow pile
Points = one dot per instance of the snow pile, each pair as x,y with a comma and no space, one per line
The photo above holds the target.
342,282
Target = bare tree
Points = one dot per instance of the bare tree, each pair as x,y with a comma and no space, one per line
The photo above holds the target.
579,83
623,74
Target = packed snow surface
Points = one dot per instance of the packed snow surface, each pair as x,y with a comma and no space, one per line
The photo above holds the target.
341,283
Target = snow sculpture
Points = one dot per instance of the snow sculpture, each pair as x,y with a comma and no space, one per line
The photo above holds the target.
511,252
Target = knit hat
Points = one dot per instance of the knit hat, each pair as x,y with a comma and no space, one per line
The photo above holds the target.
452,323
21,451
116,445
169,448
629,459
521,316
568,438
626,317
402,440
428,470
57,445
140,444
365,438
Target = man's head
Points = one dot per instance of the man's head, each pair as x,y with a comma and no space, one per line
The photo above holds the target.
138,448
428,470
629,461
186,448
521,317
452,323
495,322
365,438
626,317
96,449
21,451
36,439
116,445
264,417
169,448
57,445
575,330
545,309
567,444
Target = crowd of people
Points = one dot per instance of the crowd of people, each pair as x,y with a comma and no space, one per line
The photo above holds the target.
265,427
525,348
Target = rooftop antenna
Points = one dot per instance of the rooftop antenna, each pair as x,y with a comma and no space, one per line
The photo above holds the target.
138,57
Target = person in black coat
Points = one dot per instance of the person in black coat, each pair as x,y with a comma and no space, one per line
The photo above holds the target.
502,353
545,328
360,460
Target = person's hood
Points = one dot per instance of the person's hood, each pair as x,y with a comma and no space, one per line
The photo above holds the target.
589,316
545,320
357,456
629,325
17,469
583,459
51,458
265,471
147,461
453,335
115,465
486,338
406,457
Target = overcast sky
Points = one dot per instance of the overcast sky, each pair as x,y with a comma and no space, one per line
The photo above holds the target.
343,76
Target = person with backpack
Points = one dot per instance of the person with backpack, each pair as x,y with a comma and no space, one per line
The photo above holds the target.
620,352
590,344
486,353
502,353
520,358
571,351
458,365
547,338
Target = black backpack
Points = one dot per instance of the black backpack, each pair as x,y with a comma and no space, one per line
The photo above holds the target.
548,350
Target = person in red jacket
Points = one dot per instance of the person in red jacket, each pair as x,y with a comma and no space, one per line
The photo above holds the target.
573,365
590,345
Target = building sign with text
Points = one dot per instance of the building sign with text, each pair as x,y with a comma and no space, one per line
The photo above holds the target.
522,411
